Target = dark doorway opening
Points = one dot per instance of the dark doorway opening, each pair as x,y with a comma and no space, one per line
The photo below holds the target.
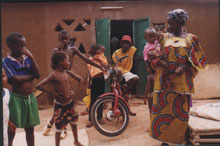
118,29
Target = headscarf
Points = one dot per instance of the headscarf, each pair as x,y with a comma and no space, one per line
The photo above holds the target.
179,15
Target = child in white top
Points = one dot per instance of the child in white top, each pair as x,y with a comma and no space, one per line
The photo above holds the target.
6,97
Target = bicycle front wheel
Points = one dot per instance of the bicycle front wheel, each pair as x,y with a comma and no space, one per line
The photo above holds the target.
110,125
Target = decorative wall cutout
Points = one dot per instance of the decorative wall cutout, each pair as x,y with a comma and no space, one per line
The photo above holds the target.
79,27
81,48
88,21
159,26
68,21
58,27
73,40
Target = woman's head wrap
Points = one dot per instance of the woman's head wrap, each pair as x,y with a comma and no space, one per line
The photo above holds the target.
179,15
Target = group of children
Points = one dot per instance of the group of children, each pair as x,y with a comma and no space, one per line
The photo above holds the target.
20,69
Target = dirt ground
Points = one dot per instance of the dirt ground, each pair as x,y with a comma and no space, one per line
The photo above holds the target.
134,135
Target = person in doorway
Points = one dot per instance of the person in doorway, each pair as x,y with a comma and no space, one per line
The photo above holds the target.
126,64
114,44
185,57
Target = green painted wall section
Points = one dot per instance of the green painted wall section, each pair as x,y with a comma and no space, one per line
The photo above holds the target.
102,27
139,26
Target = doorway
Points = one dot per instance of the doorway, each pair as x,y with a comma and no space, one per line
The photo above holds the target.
106,29
119,28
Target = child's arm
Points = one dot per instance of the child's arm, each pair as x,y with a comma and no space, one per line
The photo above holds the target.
41,85
101,62
21,78
184,68
12,74
35,66
84,58
75,76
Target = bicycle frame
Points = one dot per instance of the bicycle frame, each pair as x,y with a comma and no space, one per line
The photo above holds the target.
118,97
116,92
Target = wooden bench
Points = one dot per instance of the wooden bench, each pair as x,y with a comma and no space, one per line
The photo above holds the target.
203,127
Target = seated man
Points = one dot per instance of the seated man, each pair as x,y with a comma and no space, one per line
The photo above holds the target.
126,64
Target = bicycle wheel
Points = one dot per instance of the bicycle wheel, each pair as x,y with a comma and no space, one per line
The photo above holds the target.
112,126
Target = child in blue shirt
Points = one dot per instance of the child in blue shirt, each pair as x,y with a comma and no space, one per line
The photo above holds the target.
21,70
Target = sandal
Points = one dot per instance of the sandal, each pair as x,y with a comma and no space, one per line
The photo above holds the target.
47,129
63,134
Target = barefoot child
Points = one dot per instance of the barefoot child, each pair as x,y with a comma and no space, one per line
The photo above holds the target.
21,70
152,58
97,78
66,46
64,110
7,125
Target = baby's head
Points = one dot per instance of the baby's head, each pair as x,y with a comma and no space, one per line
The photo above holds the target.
150,35
92,49
96,49
100,49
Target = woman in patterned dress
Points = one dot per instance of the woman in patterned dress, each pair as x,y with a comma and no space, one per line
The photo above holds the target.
171,103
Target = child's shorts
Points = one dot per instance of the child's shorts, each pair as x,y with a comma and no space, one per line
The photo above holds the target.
23,110
64,114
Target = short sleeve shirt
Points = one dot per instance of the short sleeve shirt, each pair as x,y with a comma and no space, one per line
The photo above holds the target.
14,67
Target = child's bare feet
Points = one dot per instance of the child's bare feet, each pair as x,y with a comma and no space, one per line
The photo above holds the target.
77,143
101,122
147,130
89,124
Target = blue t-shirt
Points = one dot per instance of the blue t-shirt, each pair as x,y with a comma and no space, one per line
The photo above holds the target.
14,67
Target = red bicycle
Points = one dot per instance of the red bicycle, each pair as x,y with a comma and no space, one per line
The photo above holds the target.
116,110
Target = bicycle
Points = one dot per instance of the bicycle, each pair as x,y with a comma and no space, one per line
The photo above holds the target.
116,110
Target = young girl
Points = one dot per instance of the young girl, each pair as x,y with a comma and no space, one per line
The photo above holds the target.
66,46
64,108
152,57
97,78
7,125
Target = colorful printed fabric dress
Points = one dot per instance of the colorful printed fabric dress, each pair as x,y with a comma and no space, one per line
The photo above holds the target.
169,117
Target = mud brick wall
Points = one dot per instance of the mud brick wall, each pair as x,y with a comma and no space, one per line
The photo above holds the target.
41,22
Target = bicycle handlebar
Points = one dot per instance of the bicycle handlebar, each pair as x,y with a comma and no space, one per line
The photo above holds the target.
121,58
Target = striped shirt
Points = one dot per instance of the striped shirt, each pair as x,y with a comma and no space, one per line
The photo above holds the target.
14,67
